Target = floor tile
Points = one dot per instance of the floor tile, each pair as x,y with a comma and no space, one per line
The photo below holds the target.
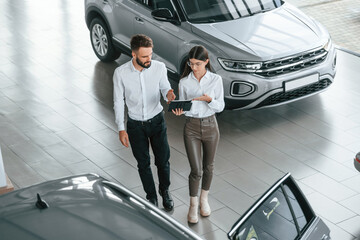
86,123
352,226
34,107
54,121
245,182
178,161
331,168
274,157
352,203
77,96
65,108
64,153
30,152
7,106
11,135
255,166
353,183
108,138
322,204
76,138
337,232
100,155
20,173
22,121
216,235
223,165
176,180
218,184
234,199
87,166
50,170
224,218
17,94
124,174
331,150
126,155
42,136
328,187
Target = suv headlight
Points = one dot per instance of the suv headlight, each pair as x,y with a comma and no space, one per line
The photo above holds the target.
327,45
239,66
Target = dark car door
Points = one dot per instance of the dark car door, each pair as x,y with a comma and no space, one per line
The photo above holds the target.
282,213
122,21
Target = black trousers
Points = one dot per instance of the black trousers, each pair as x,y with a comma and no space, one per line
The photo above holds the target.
152,131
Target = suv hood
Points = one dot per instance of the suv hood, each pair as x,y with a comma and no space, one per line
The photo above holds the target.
277,33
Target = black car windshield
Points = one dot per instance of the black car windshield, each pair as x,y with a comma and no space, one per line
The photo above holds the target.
206,11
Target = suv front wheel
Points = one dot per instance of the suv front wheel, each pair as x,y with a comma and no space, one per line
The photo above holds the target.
101,41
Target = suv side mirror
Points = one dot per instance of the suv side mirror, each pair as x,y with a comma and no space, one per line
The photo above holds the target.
165,15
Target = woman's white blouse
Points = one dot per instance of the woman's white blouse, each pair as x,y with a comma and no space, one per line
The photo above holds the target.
210,84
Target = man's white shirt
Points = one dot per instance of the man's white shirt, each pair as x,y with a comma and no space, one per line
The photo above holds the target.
140,91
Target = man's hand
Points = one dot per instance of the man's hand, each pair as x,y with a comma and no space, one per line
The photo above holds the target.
124,138
204,97
170,95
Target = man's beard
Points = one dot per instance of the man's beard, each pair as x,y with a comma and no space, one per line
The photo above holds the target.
142,64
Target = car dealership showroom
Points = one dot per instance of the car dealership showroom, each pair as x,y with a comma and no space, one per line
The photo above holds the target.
286,165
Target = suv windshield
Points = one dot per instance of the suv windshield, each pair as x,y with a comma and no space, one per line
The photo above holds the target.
204,11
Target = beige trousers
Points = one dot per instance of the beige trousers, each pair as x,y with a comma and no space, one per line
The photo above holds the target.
201,138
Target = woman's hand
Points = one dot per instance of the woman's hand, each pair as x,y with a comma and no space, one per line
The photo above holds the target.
178,111
204,97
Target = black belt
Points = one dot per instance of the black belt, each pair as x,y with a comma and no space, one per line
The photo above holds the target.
159,115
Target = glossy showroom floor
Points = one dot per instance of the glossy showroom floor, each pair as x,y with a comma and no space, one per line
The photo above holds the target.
56,119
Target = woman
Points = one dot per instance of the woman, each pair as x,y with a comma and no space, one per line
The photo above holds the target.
205,88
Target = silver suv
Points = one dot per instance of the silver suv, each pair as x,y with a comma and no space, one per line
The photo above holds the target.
267,51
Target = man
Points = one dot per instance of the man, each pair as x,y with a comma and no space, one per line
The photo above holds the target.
138,84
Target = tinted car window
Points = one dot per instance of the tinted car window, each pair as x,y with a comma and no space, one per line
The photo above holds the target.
223,10
271,220
155,4
299,213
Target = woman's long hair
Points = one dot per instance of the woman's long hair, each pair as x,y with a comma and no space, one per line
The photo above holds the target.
199,53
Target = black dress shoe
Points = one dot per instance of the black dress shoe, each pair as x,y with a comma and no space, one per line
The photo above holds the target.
168,202
154,201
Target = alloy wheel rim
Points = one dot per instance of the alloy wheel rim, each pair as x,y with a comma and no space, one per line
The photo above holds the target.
99,39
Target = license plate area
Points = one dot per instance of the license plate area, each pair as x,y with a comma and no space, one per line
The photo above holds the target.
300,82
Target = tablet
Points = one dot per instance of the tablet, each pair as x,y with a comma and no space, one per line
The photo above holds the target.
185,105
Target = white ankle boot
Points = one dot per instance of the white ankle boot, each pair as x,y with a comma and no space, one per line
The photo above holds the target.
193,210
204,204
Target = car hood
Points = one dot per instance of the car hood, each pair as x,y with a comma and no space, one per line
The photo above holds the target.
83,207
277,33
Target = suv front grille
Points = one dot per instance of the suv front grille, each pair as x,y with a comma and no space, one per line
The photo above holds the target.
291,64
300,92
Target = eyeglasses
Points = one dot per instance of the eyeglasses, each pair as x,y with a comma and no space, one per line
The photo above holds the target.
198,64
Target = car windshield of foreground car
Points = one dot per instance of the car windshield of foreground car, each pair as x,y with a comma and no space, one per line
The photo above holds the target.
204,11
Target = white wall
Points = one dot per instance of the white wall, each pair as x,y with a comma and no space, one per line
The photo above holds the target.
2,172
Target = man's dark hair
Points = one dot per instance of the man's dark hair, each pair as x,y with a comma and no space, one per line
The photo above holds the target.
140,40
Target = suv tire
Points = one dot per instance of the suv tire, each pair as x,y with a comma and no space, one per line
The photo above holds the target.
101,41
